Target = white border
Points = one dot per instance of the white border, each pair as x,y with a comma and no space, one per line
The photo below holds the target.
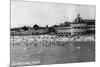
88,2
5,38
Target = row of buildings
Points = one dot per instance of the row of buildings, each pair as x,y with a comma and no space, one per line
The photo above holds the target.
77,27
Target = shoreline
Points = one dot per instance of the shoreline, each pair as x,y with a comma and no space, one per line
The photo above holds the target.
56,38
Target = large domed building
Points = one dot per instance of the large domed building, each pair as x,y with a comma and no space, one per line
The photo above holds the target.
77,27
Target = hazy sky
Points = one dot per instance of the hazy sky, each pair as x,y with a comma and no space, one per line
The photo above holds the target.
30,13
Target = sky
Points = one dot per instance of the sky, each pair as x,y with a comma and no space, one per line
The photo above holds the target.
41,13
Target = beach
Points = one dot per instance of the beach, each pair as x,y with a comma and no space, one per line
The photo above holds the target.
46,49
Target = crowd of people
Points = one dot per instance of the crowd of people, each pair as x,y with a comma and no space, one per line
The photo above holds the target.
47,40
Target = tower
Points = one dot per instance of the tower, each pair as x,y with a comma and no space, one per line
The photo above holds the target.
78,19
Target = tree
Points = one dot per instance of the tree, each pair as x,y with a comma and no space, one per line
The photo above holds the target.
55,26
36,27
25,28
46,26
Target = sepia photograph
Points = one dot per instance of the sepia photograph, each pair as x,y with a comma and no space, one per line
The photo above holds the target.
44,33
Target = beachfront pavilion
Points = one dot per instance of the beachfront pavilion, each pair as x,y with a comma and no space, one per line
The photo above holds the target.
77,27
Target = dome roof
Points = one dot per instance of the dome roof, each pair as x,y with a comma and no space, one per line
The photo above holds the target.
78,19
